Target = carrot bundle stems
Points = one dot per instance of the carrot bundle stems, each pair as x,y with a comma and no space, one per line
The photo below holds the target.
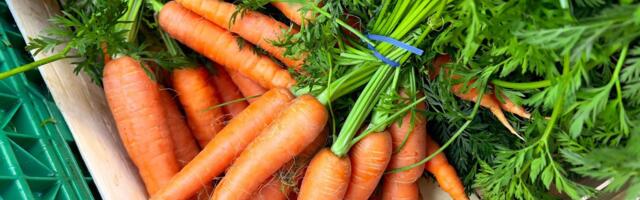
135,102
223,149
286,137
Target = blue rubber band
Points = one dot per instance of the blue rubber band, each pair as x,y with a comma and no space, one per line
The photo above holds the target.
396,43
382,58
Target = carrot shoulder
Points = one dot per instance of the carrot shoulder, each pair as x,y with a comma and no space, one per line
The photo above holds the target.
185,146
249,88
221,46
226,146
255,27
326,178
294,129
444,173
199,99
134,100
228,92
369,158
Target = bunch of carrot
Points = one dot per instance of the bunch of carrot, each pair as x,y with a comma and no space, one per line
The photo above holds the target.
241,118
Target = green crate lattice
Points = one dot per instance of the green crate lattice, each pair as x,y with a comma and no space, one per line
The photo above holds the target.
38,157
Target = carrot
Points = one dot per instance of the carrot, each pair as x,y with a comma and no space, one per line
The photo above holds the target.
198,97
248,87
400,191
255,27
221,46
488,101
228,91
223,149
412,134
511,107
185,146
281,186
294,129
136,105
444,173
293,11
369,158
326,178
273,189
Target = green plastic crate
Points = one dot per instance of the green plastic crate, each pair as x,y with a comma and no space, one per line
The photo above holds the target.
38,157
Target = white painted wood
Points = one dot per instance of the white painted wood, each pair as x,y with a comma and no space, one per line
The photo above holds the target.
84,108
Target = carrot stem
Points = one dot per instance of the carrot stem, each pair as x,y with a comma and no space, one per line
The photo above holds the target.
522,86
36,64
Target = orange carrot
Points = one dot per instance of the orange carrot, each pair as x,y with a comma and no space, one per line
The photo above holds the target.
293,11
185,146
226,146
400,191
255,27
281,186
326,178
294,129
445,173
488,101
136,105
221,46
199,98
413,149
228,91
369,158
248,87
511,107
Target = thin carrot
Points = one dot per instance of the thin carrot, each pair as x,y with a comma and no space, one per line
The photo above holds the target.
400,191
248,87
228,91
199,98
185,146
445,173
293,11
488,101
410,137
326,178
226,146
221,46
294,129
136,105
255,27
369,158
509,106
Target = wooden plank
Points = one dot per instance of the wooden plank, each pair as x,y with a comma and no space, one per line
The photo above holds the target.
84,108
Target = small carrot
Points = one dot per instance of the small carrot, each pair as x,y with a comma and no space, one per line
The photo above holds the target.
369,158
221,46
185,146
326,178
445,173
135,102
226,146
199,98
488,101
255,27
228,91
410,137
248,87
511,107
295,128
400,191
293,11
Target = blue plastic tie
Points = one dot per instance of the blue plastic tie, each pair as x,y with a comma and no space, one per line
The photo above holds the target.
393,42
